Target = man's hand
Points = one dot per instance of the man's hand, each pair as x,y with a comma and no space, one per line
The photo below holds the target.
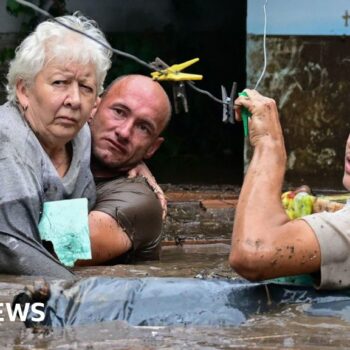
142,170
264,121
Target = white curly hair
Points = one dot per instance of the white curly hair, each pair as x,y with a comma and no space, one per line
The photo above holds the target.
51,41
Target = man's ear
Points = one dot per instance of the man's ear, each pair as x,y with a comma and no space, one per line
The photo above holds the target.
22,93
153,148
94,109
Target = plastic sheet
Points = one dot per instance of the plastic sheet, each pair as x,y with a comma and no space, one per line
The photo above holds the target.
70,236
176,301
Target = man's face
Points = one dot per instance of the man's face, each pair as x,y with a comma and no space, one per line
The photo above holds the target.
127,123
346,178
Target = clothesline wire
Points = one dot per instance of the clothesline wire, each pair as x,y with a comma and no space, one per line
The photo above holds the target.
191,84
116,51
264,47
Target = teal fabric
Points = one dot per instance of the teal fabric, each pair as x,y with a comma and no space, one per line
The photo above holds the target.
65,224
301,280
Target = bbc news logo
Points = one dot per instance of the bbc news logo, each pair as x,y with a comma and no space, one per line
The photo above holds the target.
14,311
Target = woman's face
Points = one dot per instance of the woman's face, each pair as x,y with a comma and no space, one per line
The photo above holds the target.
346,178
59,101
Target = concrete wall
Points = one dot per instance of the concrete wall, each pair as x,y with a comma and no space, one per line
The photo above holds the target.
309,76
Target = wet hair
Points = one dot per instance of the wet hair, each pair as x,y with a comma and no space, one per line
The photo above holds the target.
51,41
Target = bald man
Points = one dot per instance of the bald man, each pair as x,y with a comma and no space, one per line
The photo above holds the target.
126,222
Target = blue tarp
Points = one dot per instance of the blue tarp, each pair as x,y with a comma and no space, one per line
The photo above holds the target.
180,301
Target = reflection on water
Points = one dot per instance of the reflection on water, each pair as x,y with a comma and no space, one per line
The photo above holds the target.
285,330
176,261
288,327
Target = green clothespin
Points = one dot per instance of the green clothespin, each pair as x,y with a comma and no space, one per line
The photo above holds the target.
245,115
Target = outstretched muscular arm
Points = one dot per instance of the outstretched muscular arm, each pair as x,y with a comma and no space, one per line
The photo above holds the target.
265,243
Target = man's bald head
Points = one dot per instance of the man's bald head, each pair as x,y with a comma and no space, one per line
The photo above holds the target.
145,83
125,128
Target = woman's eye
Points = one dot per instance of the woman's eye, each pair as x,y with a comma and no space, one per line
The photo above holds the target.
87,88
59,82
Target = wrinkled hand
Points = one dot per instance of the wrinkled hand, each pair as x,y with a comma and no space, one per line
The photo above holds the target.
142,170
264,121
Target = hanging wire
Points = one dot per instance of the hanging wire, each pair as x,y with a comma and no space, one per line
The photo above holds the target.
264,47
116,51
205,92
145,64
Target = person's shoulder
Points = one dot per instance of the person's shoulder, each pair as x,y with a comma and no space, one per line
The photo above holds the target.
84,133
111,183
16,137
338,217
7,107
11,122
344,212
7,110
82,140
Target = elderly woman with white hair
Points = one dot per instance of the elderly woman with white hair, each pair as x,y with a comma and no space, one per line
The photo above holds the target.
53,85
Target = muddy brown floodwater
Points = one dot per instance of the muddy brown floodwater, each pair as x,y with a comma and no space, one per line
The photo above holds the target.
190,220
287,328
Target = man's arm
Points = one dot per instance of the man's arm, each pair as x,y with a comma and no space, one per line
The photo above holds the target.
108,240
127,215
265,243
142,170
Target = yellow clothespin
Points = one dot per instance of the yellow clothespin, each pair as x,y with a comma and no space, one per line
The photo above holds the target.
174,72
